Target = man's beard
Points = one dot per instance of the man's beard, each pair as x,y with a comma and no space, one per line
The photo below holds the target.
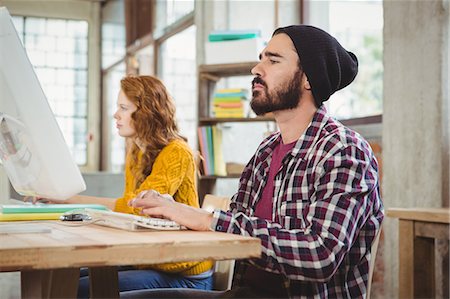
282,98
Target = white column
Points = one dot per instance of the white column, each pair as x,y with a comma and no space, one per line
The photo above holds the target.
415,114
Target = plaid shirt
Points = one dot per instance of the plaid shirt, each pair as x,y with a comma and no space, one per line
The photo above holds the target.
326,210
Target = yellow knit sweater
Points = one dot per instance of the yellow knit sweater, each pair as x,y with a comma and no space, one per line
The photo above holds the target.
173,173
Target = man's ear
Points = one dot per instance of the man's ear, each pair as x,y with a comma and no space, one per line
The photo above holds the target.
306,84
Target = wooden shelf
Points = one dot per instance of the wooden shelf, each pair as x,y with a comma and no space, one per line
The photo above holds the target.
214,120
208,76
227,70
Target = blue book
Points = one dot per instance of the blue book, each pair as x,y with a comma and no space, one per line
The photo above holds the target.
242,94
47,208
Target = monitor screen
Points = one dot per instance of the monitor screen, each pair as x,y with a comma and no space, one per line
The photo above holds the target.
33,152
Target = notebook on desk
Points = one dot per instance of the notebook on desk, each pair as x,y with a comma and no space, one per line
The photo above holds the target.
131,222
46,208
28,211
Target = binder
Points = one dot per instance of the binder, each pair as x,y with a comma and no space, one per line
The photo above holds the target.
29,216
46,208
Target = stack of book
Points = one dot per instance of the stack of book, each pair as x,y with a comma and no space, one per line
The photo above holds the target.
210,140
20,212
229,103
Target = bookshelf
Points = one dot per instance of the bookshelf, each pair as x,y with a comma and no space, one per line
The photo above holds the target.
208,76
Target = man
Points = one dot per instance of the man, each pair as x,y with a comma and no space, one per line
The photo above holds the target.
311,191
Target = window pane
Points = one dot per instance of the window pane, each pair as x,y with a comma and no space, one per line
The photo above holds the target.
358,26
178,72
169,11
113,44
58,52
116,151
113,32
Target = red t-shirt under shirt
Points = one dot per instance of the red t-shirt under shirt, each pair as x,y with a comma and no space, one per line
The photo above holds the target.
264,206
254,276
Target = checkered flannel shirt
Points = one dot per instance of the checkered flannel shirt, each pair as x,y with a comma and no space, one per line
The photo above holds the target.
326,212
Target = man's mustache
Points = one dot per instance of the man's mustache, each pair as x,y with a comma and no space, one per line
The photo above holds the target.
258,80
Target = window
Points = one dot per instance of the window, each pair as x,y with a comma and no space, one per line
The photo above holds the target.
113,43
114,156
113,69
58,51
113,33
358,26
178,71
176,64
170,11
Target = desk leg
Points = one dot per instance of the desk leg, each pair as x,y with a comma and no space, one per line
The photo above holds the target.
103,282
406,259
35,284
55,283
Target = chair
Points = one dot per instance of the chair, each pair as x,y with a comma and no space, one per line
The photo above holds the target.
373,252
223,270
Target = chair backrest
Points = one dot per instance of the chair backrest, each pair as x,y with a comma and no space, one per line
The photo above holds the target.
223,270
373,255
211,202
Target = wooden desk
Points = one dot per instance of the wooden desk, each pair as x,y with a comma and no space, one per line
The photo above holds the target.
50,262
418,229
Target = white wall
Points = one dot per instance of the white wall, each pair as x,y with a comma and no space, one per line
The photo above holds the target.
415,115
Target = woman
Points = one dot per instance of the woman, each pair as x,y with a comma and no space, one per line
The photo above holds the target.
160,159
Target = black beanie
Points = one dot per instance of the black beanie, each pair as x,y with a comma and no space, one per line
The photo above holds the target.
328,66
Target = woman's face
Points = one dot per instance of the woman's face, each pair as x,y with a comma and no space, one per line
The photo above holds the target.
123,116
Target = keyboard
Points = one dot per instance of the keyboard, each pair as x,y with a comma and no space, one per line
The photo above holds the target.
131,222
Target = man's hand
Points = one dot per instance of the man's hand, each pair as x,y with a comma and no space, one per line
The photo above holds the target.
157,205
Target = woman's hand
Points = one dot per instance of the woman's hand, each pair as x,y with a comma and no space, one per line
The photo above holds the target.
164,206
40,200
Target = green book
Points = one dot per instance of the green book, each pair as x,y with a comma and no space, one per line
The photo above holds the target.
47,208
225,35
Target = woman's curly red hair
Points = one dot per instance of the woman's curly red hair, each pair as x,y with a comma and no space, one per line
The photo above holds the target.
154,120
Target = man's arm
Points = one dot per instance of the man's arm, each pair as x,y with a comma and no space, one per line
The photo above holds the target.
346,196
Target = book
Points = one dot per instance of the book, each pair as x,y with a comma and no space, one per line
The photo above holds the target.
203,150
228,105
224,35
231,90
46,208
210,145
29,216
230,96
219,164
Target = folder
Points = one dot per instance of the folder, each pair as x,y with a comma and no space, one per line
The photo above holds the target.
46,208
29,216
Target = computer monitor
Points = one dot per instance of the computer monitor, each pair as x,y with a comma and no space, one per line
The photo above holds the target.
33,152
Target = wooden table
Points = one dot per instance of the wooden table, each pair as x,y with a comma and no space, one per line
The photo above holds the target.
49,261
418,230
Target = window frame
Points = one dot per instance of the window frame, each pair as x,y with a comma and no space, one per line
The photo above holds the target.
89,12
365,120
